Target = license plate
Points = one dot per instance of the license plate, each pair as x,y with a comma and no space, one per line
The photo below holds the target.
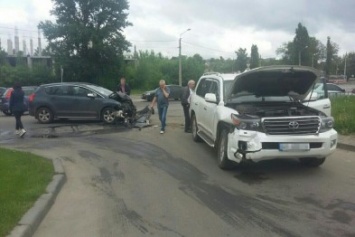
294,146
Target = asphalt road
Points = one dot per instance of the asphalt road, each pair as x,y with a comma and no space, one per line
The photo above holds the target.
126,182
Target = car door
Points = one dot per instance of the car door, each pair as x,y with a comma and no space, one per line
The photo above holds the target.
209,109
199,103
60,99
85,107
322,103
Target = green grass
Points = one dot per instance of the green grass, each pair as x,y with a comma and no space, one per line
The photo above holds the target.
343,111
23,178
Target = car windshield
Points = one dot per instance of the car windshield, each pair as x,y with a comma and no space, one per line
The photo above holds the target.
101,90
227,86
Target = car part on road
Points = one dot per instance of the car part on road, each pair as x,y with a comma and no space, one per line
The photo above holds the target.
44,115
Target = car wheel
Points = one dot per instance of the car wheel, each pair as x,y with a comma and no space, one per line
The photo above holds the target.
312,162
194,128
44,115
222,155
108,115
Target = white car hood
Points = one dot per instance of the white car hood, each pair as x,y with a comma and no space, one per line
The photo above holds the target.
294,81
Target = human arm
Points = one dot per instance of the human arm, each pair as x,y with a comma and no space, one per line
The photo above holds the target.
166,91
185,95
152,104
128,90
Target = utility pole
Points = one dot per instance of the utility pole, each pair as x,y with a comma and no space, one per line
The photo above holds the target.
180,68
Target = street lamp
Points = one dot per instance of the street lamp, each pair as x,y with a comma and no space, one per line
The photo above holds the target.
299,55
180,69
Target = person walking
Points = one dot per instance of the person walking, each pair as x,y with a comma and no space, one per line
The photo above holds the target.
123,87
185,102
17,107
162,99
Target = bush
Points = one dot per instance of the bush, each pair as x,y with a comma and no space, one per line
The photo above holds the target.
343,111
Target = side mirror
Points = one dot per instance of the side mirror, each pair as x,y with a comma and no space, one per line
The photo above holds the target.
211,98
312,96
92,95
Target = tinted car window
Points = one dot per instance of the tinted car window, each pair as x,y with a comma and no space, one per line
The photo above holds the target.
331,87
58,90
80,91
203,87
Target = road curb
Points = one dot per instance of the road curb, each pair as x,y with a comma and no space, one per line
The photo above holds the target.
345,146
29,223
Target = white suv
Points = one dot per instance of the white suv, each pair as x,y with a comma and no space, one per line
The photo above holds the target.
265,113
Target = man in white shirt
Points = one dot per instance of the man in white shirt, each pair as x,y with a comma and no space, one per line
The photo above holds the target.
185,102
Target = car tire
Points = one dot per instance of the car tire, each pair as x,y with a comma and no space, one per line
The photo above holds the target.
222,148
107,115
194,129
44,115
312,162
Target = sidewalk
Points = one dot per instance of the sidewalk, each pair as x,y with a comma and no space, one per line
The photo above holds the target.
346,142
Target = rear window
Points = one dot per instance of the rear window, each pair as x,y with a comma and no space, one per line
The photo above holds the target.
28,91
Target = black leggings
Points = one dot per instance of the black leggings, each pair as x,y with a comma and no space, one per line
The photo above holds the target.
19,124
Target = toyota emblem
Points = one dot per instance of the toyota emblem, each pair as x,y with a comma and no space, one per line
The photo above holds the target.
293,125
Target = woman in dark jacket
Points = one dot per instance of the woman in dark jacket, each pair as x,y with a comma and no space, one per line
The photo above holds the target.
17,107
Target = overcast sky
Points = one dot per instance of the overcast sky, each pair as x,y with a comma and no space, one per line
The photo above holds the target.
218,28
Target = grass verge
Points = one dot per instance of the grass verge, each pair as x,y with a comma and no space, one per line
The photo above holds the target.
23,178
343,111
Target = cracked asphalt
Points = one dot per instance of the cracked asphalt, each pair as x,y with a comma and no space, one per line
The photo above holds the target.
126,182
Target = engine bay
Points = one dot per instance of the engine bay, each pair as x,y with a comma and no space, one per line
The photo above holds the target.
262,110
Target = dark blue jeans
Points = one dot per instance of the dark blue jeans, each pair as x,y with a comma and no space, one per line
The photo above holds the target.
162,110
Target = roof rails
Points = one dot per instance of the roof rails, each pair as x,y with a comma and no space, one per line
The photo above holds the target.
211,73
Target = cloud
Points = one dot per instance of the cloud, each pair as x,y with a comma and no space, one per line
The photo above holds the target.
218,27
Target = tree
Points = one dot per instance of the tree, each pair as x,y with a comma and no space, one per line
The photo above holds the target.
350,64
331,60
86,38
242,59
254,57
301,45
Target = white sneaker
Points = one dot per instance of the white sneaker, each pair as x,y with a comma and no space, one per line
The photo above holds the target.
161,132
18,132
22,132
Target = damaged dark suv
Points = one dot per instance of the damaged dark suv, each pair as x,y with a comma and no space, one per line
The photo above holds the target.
73,101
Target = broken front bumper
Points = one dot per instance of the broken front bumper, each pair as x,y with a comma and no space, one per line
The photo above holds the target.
258,146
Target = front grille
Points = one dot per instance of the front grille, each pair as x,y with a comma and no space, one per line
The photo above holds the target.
291,125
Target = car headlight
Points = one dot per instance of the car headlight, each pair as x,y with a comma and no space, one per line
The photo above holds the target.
327,123
246,122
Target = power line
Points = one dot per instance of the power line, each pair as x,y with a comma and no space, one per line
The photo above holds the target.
200,46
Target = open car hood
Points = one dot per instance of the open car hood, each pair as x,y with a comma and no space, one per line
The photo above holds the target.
293,81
